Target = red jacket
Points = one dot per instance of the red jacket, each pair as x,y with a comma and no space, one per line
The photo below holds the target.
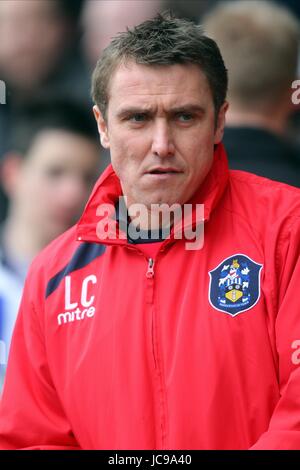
202,354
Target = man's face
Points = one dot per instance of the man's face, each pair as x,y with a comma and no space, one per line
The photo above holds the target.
161,131
53,182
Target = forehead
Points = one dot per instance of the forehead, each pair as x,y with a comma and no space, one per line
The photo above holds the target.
60,146
170,83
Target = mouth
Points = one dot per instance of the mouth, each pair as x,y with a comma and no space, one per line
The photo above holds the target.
163,171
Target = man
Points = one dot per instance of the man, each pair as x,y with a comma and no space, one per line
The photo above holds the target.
121,344
259,42
47,175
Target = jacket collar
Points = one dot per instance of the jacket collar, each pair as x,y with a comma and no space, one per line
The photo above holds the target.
101,205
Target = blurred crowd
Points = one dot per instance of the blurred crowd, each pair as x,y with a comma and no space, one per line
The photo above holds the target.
50,154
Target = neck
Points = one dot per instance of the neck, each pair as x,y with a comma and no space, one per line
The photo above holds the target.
154,216
152,219
274,121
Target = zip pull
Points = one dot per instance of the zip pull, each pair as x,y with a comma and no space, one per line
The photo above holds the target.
150,270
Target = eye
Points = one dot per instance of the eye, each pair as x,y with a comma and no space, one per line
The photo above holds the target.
138,117
184,117
54,172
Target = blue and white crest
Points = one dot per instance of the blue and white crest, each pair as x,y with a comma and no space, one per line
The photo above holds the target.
235,284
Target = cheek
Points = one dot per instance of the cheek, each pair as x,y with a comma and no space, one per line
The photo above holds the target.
127,153
131,144
29,187
42,190
32,197
199,152
197,139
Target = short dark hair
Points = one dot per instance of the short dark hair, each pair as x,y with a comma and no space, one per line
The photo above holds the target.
50,114
163,40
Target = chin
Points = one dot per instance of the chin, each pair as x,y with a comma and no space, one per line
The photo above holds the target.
168,201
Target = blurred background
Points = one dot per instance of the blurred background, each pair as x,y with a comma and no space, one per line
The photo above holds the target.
50,154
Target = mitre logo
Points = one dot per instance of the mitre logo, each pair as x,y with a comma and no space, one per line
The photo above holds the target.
74,310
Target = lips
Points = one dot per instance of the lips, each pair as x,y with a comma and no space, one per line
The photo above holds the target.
161,170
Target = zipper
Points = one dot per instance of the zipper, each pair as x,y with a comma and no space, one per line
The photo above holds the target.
158,378
150,281
150,269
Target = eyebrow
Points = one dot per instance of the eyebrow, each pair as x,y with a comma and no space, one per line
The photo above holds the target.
195,108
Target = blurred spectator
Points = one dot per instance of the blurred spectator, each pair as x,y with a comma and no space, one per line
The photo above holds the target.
31,38
48,175
259,42
37,41
38,56
101,20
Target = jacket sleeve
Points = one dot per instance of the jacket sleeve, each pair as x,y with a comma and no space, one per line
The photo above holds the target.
284,428
31,415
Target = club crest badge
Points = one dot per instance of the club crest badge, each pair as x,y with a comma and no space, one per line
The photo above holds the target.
235,284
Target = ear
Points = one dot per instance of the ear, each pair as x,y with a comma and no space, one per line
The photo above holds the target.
220,125
10,175
102,127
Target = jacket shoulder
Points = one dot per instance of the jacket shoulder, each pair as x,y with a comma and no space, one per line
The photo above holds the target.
264,197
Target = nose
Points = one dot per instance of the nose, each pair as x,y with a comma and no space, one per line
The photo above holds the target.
162,141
